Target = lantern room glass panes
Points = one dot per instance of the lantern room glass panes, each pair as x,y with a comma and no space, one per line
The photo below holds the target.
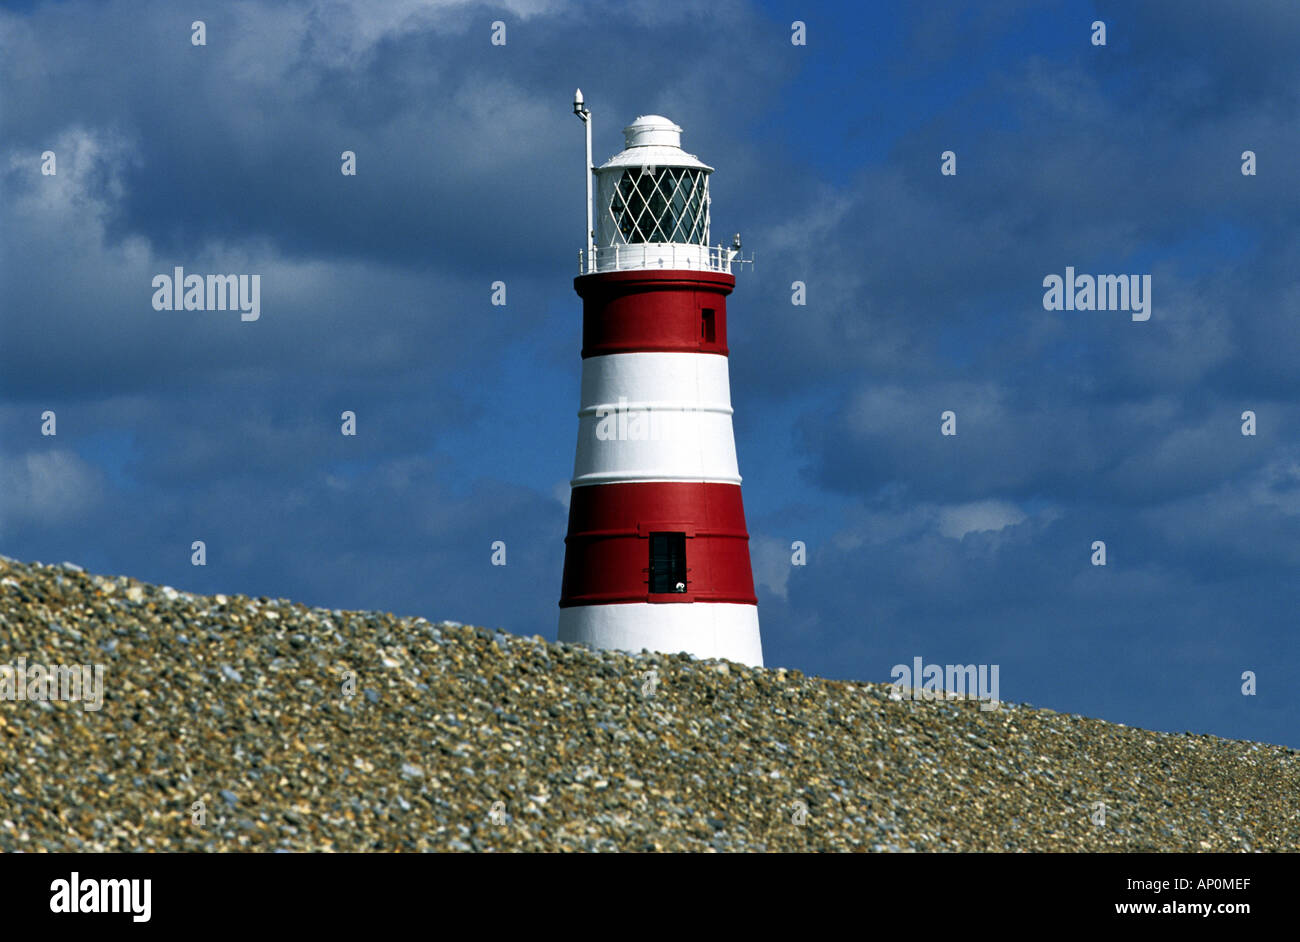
669,204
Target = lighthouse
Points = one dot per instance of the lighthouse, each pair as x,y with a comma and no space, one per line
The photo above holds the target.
657,552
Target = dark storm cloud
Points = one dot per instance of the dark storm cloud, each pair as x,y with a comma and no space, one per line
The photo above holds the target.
456,140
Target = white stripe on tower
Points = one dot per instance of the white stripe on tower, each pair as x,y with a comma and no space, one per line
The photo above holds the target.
655,417
705,629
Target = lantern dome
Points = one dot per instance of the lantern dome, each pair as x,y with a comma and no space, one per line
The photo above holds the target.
653,201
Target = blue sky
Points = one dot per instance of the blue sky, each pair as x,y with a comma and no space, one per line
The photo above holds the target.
924,294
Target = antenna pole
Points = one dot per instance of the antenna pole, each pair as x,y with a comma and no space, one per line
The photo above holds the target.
583,112
591,226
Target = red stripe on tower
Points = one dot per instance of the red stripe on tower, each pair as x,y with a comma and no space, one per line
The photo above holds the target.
654,311
609,532
657,553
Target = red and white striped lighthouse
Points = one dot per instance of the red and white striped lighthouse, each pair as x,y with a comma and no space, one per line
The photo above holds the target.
657,554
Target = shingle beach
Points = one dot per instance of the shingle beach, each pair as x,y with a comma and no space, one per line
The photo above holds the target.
238,724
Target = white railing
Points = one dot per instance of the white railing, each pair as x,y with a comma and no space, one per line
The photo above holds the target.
664,255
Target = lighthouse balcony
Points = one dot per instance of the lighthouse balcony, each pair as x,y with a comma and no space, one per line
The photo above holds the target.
639,256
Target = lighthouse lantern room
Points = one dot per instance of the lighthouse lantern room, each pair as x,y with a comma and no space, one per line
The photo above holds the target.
657,552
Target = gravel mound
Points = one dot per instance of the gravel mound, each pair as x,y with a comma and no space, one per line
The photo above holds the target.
230,723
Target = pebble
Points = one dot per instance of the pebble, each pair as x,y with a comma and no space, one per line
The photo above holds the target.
239,703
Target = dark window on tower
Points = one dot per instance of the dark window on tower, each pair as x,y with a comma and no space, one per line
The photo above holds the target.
667,562
707,331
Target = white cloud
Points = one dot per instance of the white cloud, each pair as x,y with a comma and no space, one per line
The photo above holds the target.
957,520
770,558
47,487
562,492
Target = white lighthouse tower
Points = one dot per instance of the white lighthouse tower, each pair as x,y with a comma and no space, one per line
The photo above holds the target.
657,553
